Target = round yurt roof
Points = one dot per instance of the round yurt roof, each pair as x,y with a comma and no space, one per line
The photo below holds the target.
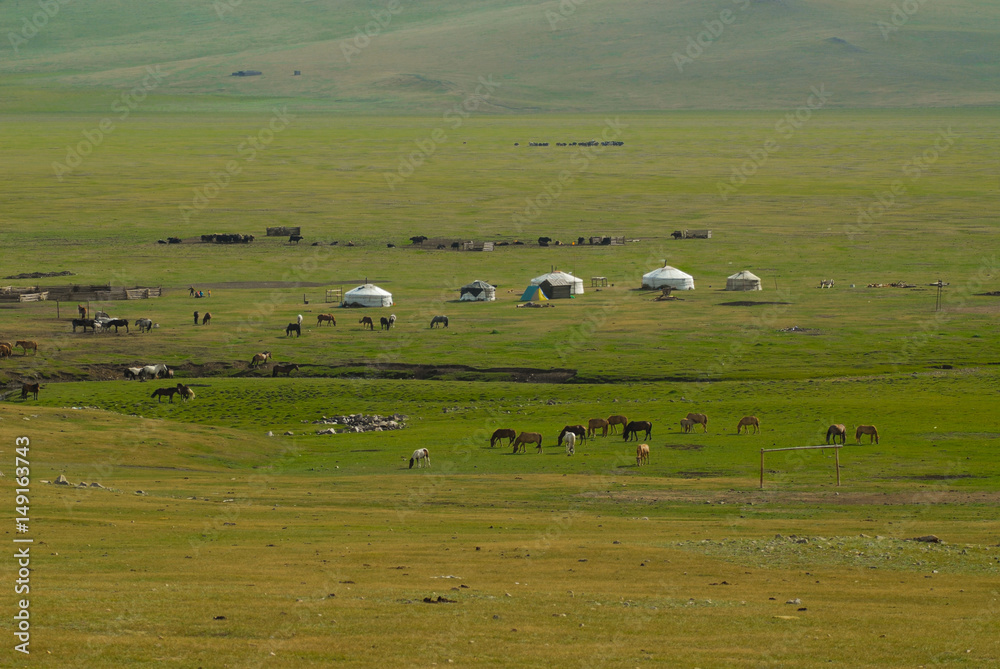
560,278
744,280
476,286
668,276
368,295
745,275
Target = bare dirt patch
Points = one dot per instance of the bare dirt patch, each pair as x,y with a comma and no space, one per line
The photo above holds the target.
748,303
684,447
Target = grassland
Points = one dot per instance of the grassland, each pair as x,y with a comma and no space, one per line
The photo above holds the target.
304,550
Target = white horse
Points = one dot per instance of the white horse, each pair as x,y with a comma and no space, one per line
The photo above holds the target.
155,372
419,456
300,319
392,320
570,443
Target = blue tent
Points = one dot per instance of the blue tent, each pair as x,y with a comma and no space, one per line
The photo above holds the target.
533,294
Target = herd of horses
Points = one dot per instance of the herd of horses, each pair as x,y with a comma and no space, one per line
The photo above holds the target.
180,389
384,323
7,349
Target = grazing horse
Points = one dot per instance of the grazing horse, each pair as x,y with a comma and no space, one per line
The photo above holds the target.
384,323
748,422
259,359
578,430
206,318
527,438
570,443
132,373
84,323
29,388
25,344
82,309
327,318
617,419
595,424
503,433
284,369
144,324
686,424
117,323
185,392
439,320
392,319
293,327
869,430
160,392
299,319
366,322
641,454
419,456
837,431
633,429
6,350
155,372
699,418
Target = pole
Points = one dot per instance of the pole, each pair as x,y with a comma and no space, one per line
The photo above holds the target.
836,455
57,309
762,469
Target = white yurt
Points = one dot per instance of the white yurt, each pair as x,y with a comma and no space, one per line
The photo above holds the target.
560,278
745,280
668,276
368,295
478,291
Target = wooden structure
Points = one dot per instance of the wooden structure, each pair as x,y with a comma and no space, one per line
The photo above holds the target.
836,453
335,295
283,231
691,234
607,241
598,281
33,297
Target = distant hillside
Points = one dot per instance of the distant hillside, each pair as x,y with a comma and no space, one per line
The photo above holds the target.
393,56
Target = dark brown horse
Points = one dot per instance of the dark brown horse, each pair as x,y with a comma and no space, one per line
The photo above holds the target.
325,318
366,322
527,438
293,327
160,392
579,430
29,388
503,433
284,369
837,431
633,429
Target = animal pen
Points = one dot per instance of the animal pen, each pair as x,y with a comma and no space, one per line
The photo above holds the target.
836,454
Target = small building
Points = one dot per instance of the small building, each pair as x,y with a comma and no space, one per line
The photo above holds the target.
478,291
367,295
559,284
668,276
745,280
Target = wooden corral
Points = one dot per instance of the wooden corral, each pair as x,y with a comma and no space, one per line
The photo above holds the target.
284,231
691,234
607,241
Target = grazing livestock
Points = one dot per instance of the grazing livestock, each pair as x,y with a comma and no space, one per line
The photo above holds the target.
144,324
869,430
294,238
686,424
284,369
439,320
29,388
116,323
503,433
206,318
419,456
527,438
570,443
132,373
84,323
392,319
259,359
298,319
595,424
384,323
6,351
699,418
155,372
641,455
366,322
293,327
160,392
837,431
633,429
328,318
185,392
578,430
82,309
617,420
748,422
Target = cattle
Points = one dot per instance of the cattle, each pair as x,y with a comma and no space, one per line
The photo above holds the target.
294,238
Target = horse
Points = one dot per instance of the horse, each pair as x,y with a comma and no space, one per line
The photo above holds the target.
595,424
699,418
503,433
617,419
570,443
155,372
206,318
117,323
578,431
25,344
633,428
442,320
29,388
837,431
132,373
284,369
686,424
392,320
160,392
259,359
527,438
84,323
185,392
82,309
299,319
641,454
869,430
748,422
384,323
366,321
293,327
6,350
419,456
144,324
327,318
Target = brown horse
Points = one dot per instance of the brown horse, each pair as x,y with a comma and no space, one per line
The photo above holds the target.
6,350
595,424
617,420
185,392
82,309
686,424
699,418
641,454
578,430
259,359
206,318
837,431
25,344
284,369
527,438
633,429
748,422
29,388
325,318
160,392
366,322
869,430
503,433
